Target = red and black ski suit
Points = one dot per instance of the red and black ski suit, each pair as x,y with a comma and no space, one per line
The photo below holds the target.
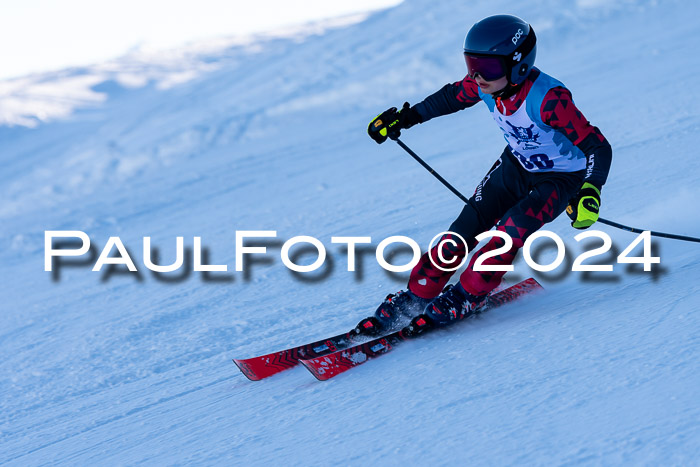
547,159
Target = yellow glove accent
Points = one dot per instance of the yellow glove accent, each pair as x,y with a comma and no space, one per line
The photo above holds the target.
587,208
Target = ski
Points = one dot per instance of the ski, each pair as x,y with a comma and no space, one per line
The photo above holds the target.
332,364
264,366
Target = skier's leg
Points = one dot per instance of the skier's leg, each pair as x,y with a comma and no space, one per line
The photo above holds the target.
500,189
543,204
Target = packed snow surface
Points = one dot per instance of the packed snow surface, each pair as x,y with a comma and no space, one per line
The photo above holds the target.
117,368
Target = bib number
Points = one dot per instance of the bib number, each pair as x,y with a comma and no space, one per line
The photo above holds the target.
541,161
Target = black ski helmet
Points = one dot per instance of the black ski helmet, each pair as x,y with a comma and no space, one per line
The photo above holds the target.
508,38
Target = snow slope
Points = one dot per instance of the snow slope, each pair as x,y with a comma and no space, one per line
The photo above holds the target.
118,369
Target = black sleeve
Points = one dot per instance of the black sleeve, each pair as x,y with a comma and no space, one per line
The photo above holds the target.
598,158
450,99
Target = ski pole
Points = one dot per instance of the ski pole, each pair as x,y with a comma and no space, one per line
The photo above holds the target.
600,219
655,234
430,169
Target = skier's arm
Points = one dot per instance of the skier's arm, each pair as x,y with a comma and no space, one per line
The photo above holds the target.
559,111
450,99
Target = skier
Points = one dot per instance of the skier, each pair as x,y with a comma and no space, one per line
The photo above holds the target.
554,157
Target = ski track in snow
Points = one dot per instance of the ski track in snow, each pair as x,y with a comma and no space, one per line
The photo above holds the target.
114,370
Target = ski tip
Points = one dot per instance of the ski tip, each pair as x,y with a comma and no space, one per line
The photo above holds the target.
246,370
532,283
312,369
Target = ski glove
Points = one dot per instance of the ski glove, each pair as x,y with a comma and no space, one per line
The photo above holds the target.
389,123
583,209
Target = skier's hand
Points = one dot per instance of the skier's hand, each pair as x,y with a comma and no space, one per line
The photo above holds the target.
389,123
583,209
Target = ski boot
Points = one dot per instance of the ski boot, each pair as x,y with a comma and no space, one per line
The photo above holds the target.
454,303
403,302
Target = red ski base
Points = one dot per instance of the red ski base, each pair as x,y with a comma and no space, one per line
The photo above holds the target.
332,364
264,366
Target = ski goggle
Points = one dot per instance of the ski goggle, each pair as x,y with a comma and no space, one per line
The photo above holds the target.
489,68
